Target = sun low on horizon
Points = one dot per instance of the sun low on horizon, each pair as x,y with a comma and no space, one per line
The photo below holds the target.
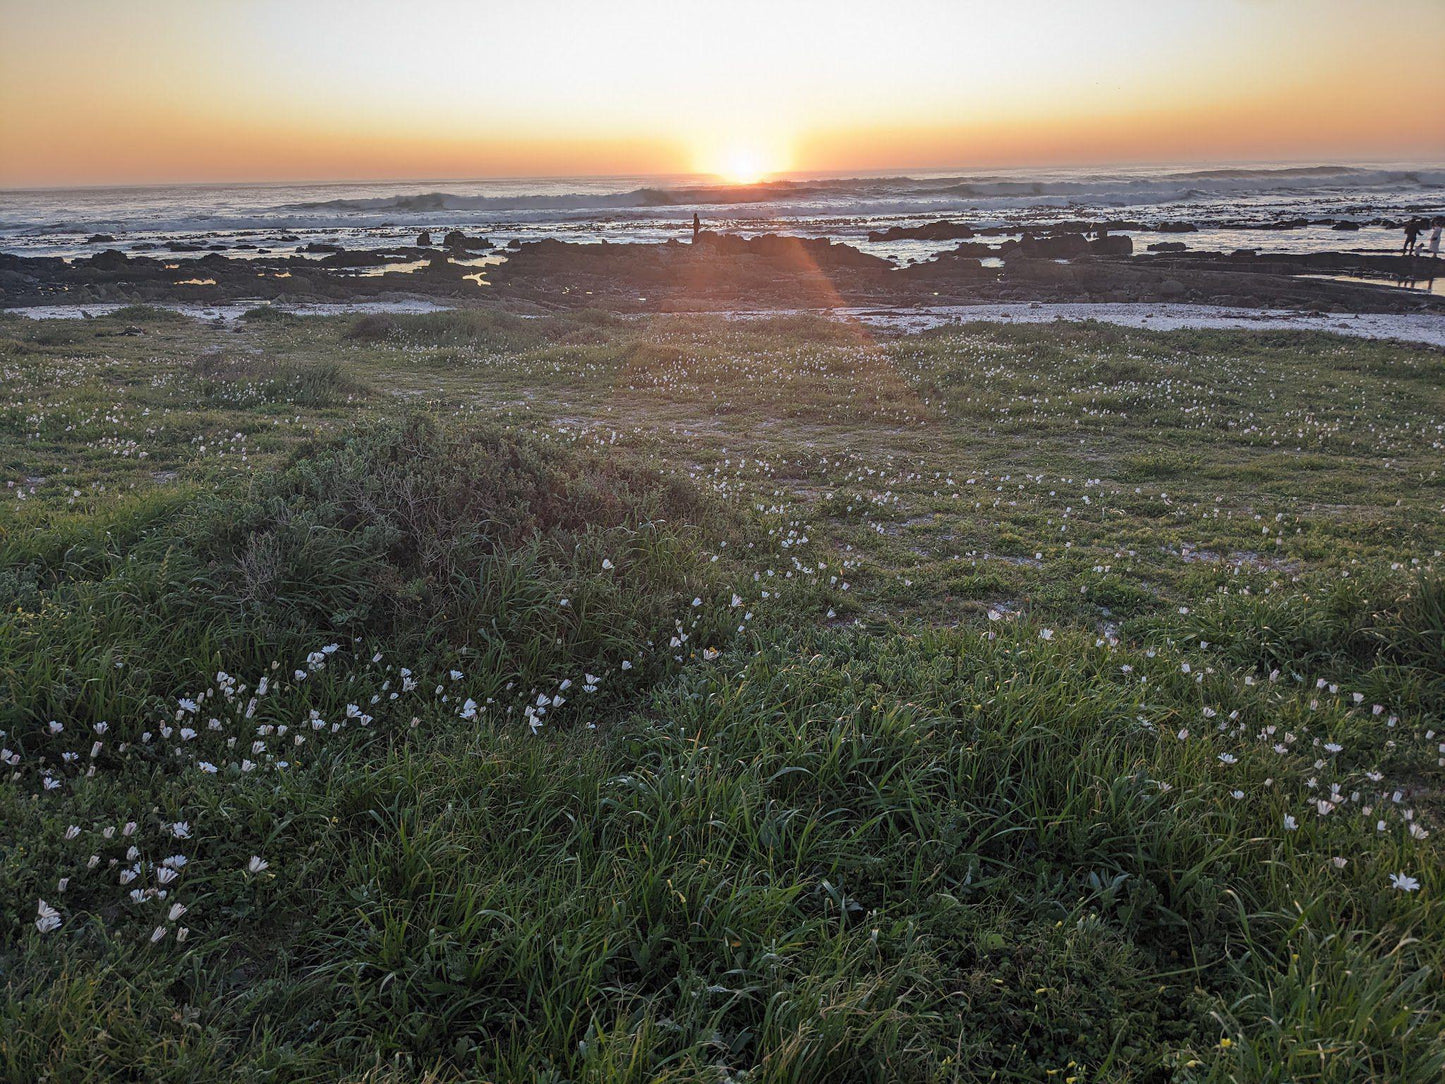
743,162
742,166
160,91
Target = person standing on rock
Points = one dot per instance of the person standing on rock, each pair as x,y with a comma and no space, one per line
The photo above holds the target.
696,227
1412,233
1435,239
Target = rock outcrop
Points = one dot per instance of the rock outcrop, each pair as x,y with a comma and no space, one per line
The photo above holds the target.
929,231
456,239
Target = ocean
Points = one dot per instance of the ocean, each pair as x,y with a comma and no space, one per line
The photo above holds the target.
1280,208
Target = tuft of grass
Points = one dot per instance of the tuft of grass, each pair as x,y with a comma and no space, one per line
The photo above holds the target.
268,314
373,327
246,381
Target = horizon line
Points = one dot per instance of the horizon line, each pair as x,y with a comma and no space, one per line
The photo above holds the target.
1341,162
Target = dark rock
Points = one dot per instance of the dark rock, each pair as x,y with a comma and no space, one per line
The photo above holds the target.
795,251
1345,226
100,239
728,272
1115,245
321,246
355,259
929,231
456,239
1177,227
947,265
974,248
1041,271
1168,246
112,259
423,239
1064,246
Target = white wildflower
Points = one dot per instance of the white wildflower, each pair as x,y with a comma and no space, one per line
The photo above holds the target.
48,918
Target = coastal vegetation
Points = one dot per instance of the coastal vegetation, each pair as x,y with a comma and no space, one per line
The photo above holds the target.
466,696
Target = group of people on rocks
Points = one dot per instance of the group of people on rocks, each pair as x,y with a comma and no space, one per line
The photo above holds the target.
1414,229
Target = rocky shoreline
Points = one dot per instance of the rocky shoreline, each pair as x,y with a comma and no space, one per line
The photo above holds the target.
726,271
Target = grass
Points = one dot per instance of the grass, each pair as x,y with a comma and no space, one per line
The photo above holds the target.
584,699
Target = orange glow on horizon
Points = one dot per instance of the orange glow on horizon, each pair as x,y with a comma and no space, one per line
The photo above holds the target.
166,91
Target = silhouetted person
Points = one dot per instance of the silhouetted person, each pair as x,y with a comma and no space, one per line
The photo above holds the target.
1412,234
696,227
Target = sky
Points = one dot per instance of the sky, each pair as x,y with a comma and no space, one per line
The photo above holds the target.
164,91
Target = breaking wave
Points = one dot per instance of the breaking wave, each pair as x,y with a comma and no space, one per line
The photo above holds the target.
903,194
257,217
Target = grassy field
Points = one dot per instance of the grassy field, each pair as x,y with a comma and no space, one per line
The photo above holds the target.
469,697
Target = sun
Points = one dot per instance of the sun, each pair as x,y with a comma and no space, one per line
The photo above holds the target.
742,165
744,161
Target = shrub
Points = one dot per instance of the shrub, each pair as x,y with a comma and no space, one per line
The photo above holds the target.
267,314
421,538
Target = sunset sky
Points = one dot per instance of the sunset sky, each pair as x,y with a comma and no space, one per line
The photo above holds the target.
252,90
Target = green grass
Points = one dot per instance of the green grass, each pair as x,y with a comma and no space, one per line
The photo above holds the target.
685,699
